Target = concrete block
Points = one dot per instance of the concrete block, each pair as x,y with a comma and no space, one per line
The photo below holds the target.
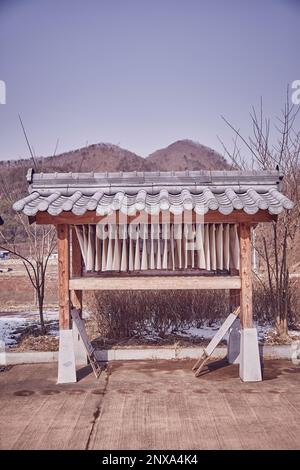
250,368
142,354
66,358
31,357
234,342
3,359
188,353
282,351
81,358
2,354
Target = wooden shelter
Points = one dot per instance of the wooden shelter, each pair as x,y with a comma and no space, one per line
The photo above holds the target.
156,230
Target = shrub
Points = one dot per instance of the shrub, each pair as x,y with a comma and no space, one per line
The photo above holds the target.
121,314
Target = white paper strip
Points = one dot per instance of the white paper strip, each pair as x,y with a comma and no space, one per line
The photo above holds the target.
109,260
192,244
200,246
219,245
144,232
207,246
90,261
234,248
98,254
185,245
152,254
123,236
79,233
172,248
212,245
116,253
131,255
158,254
104,253
226,246
137,260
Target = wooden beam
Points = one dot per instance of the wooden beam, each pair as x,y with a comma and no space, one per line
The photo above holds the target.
189,272
91,217
63,248
246,275
76,295
155,283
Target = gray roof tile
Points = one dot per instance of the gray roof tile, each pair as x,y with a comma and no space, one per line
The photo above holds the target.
200,191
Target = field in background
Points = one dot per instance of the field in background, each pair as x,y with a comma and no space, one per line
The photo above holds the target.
118,319
16,291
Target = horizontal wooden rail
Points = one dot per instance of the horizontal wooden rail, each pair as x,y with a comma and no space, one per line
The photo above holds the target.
155,283
90,217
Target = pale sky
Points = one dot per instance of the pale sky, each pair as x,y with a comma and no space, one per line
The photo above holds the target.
141,73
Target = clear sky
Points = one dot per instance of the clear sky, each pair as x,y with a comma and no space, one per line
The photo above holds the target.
141,73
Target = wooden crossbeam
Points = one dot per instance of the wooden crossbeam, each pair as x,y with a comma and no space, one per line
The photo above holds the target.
90,217
155,283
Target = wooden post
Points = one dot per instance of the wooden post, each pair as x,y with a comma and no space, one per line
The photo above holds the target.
63,247
246,275
76,295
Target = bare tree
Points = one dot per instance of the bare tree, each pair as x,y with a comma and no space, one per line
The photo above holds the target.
30,243
33,245
276,243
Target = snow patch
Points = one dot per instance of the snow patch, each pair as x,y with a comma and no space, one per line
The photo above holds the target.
9,329
11,326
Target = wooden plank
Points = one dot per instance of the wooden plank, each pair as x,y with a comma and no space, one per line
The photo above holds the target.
215,341
63,248
194,272
76,295
76,317
82,331
246,275
221,332
155,283
91,217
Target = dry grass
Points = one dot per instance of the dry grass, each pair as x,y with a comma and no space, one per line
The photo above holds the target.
37,343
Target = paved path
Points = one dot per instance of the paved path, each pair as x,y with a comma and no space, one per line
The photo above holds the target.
150,405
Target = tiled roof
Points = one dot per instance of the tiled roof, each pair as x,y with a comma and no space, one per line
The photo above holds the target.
200,191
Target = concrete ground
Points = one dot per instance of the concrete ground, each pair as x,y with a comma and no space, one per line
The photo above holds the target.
150,405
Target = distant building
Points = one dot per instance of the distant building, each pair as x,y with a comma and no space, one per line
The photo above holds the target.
4,255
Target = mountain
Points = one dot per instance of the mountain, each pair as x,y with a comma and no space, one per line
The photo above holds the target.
97,158
181,155
186,155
